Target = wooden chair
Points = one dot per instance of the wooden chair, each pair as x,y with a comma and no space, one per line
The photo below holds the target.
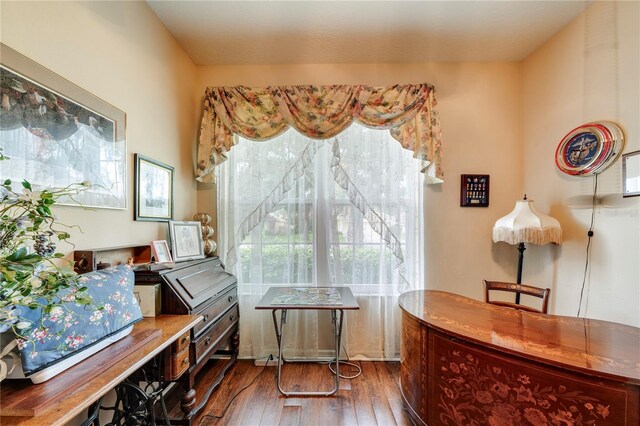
542,293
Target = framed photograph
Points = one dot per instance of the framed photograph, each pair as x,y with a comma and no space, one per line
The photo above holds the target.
160,251
474,190
631,174
56,134
186,240
153,190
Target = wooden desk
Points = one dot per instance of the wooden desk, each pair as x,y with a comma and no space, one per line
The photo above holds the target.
65,396
465,361
304,300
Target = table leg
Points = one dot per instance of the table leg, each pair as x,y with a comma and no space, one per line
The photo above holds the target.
275,325
337,333
336,338
339,338
280,338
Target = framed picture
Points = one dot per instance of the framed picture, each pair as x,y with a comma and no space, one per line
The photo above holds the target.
56,134
186,240
153,190
474,190
631,174
160,251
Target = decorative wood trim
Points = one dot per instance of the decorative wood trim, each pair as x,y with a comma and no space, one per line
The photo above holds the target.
31,400
578,344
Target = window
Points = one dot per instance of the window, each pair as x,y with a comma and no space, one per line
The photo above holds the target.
346,211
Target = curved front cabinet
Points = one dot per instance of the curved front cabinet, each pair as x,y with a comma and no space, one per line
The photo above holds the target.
465,362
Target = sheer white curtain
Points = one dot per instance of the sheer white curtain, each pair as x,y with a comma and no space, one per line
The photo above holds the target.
293,211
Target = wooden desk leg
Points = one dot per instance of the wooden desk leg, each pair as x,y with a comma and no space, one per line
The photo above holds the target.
235,344
188,399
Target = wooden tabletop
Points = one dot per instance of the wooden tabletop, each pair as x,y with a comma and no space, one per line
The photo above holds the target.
601,348
72,391
346,297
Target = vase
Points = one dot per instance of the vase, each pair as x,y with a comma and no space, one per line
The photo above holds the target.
203,218
209,247
207,232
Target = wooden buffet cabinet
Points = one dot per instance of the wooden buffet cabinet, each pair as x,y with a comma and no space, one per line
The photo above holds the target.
466,362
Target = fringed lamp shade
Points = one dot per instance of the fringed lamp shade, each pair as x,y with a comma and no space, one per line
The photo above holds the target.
525,224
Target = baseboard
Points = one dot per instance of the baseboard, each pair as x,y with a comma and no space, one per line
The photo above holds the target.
273,362
261,361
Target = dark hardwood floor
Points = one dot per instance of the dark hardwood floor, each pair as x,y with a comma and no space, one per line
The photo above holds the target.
373,398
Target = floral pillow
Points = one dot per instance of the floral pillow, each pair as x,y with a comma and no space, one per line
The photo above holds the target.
71,327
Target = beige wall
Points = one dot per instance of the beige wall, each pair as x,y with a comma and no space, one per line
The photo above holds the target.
480,112
506,120
588,71
120,52
502,119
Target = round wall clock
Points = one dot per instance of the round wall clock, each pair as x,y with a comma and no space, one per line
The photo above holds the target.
590,149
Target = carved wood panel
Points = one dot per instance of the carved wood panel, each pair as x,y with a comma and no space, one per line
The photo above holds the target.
474,386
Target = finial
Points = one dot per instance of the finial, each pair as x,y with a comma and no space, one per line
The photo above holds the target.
525,197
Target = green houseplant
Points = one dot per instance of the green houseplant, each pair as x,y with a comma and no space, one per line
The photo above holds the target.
32,272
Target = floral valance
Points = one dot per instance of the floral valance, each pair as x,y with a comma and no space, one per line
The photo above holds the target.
409,111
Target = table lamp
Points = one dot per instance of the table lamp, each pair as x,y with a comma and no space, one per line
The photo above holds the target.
523,225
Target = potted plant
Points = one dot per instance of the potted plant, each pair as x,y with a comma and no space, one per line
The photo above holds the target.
32,272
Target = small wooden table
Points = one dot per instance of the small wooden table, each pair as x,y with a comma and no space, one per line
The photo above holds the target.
306,300
60,399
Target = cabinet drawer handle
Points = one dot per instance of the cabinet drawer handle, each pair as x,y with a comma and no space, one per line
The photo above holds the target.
231,318
207,341
205,318
185,339
185,360
230,298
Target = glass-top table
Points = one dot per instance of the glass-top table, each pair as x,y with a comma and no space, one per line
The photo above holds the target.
335,299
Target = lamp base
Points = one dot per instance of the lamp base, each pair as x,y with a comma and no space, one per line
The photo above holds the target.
521,249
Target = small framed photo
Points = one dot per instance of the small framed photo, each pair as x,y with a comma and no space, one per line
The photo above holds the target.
631,174
153,195
474,191
186,240
160,251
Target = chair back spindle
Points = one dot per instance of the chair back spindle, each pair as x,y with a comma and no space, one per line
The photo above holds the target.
499,286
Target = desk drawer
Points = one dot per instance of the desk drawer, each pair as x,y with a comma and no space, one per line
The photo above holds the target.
179,364
182,342
211,337
211,312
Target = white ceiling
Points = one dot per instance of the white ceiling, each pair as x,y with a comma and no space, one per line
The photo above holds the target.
308,32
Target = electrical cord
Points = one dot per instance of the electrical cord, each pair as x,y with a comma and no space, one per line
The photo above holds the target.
269,358
359,369
589,235
342,376
211,416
